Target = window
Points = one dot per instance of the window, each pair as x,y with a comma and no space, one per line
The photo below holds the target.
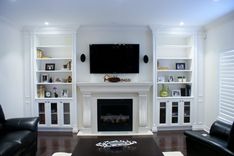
226,87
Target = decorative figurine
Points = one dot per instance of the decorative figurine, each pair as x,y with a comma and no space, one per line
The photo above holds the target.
50,80
111,78
55,93
69,79
67,66
58,80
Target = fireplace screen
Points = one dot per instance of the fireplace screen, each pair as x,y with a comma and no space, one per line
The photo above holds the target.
114,114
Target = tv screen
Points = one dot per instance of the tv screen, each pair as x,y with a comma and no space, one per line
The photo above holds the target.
114,58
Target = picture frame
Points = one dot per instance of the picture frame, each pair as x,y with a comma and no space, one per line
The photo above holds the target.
64,93
161,79
175,93
171,78
50,66
180,66
44,78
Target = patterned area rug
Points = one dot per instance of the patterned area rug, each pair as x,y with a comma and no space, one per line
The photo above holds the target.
176,153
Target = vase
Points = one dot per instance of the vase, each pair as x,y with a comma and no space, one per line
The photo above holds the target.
164,92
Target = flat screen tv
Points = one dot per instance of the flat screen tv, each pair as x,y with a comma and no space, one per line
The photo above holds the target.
114,58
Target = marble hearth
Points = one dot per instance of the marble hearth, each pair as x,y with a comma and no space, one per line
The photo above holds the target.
91,92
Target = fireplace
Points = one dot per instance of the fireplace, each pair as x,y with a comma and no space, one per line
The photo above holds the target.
114,114
122,118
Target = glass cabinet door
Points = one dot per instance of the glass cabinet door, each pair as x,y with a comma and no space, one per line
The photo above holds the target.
66,113
174,111
54,113
162,116
187,112
41,111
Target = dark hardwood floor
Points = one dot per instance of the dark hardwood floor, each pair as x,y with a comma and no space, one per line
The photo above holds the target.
171,141
50,142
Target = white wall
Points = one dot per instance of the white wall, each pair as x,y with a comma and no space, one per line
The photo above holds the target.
220,37
11,70
114,34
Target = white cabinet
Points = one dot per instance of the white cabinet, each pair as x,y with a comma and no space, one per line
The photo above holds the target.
54,114
174,112
174,79
54,85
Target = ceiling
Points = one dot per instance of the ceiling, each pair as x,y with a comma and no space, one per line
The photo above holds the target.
113,12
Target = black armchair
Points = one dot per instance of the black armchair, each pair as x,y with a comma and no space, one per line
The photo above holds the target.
219,142
18,136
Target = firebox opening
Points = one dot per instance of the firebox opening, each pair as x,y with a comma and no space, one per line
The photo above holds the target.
114,114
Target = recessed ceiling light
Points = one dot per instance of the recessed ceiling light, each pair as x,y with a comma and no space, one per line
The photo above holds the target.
181,23
46,23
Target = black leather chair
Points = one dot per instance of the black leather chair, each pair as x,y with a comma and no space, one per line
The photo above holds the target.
219,142
18,136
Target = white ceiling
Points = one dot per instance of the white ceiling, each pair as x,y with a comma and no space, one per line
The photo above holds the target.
113,12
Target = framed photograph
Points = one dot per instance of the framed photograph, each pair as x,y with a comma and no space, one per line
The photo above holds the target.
180,66
44,78
175,93
161,79
64,93
171,79
49,66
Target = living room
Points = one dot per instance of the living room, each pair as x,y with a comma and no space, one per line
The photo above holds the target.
46,65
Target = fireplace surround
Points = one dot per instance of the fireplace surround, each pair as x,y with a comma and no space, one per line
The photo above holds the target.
137,92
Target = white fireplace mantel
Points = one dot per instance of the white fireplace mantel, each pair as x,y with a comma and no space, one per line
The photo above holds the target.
122,87
89,90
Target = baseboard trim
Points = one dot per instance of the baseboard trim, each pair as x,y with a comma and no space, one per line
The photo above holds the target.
52,129
174,128
82,133
198,127
154,129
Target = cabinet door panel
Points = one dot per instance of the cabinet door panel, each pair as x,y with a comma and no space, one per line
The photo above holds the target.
66,114
54,113
174,112
41,111
162,113
187,113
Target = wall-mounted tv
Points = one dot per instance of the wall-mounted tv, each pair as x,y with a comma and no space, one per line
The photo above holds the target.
114,58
